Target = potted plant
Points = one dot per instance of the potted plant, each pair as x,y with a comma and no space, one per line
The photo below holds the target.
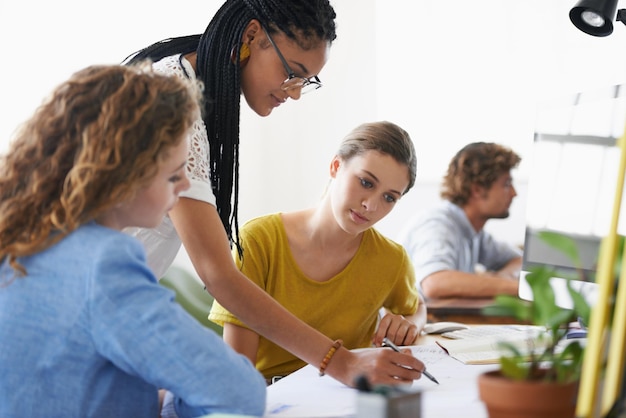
544,382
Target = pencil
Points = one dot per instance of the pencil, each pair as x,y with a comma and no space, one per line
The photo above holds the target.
388,343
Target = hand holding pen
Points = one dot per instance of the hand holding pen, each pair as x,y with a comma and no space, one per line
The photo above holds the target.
388,343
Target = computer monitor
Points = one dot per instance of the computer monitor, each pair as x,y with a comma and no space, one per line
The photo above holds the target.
571,189
582,278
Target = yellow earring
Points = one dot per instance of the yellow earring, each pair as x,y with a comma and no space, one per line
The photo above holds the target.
244,53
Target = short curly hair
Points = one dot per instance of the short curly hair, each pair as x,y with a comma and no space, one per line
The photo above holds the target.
477,163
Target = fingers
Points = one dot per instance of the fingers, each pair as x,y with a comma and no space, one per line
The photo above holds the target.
408,335
380,333
395,327
389,367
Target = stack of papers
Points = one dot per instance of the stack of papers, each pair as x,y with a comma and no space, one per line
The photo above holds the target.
490,330
488,350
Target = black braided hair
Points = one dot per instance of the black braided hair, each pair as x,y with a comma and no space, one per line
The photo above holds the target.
303,21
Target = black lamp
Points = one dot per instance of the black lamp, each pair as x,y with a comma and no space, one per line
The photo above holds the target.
595,16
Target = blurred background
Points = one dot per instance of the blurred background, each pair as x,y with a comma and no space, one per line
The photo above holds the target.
449,72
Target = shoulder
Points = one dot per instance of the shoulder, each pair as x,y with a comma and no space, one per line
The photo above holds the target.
173,66
373,240
263,222
443,222
100,243
445,215
263,226
438,212
91,251
381,254
104,236
444,210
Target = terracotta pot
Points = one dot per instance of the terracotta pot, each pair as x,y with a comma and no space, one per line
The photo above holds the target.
506,398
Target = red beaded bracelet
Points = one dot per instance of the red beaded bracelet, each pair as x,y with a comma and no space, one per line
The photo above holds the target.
329,355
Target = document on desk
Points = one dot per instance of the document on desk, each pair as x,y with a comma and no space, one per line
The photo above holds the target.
304,394
488,349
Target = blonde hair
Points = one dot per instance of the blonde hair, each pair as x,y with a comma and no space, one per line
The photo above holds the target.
385,137
93,143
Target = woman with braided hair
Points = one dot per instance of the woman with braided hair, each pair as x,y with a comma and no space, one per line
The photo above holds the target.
268,51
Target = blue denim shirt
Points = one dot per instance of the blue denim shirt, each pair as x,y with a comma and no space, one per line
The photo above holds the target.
88,332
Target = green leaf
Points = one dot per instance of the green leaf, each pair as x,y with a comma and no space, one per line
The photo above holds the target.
544,306
562,243
560,317
513,368
543,310
505,305
581,307
568,363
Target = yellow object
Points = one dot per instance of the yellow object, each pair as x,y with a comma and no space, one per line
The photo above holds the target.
346,306
244,52
592,388
329,355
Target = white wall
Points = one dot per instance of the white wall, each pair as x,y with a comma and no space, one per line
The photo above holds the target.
449,72
285,157
455,72
43,43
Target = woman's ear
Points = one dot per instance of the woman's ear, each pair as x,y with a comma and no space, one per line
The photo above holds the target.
243,49
251,31
334,166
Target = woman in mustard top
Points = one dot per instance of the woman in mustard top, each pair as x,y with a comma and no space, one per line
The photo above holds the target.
328,265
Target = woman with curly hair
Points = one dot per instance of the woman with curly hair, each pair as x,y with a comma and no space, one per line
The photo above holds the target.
86,329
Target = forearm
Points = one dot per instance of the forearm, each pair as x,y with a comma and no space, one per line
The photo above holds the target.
512,269
204,238
242,340
449,283
268,318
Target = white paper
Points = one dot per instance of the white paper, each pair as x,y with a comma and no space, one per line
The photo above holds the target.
304,394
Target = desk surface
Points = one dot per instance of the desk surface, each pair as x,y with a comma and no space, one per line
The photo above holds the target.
304,394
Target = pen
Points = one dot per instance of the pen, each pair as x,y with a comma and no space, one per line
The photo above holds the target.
388,343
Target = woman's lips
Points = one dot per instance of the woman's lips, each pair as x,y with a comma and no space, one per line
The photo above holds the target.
359,219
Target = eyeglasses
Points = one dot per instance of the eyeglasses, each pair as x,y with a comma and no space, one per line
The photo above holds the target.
293,81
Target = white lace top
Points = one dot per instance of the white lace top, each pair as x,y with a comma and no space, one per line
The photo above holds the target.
162,243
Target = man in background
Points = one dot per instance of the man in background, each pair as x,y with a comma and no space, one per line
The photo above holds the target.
452,254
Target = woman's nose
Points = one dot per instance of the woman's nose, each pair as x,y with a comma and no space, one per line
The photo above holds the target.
369,204
294,93
184,184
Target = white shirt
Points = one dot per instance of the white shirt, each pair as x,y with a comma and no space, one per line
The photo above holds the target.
163,243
